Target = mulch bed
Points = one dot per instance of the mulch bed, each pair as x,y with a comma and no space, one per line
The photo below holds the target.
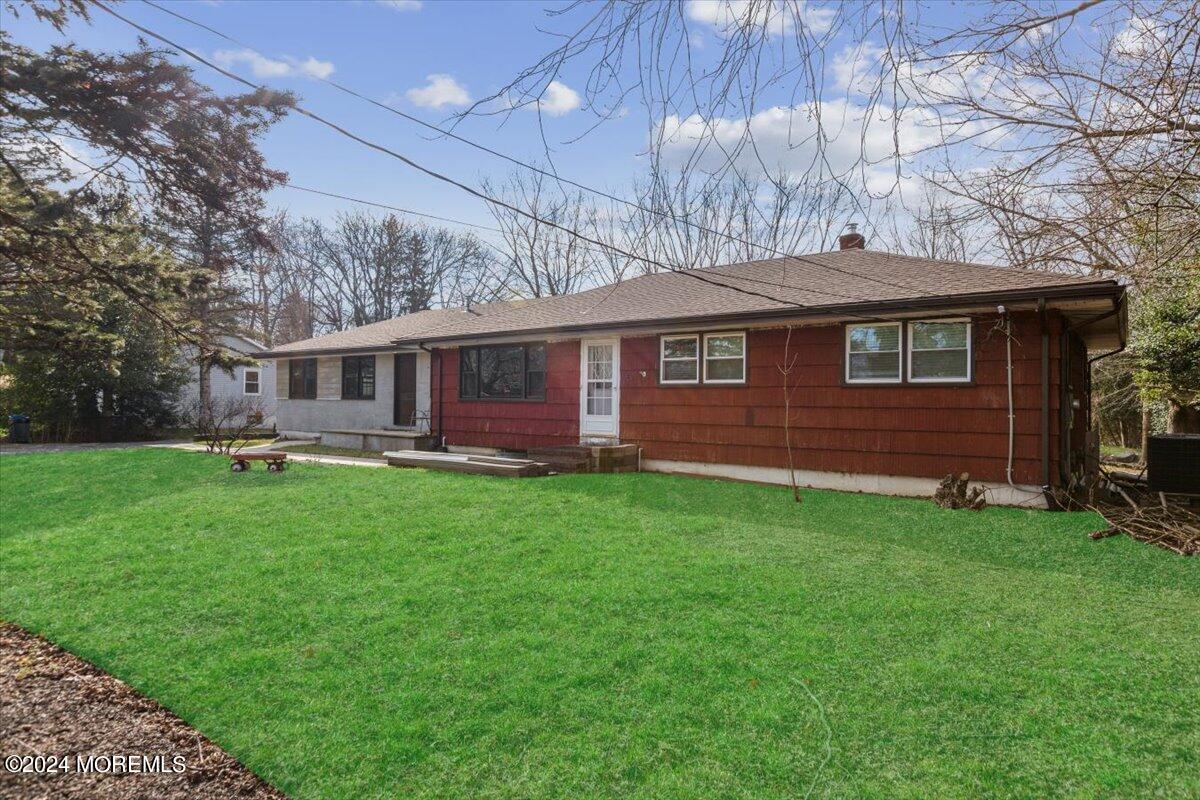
54,704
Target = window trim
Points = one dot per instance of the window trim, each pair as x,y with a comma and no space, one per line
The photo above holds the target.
525,398
970,351
300,362
899,351
743,359
358,395
662,358
257,380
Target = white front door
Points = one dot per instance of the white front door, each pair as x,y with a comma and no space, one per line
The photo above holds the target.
600,387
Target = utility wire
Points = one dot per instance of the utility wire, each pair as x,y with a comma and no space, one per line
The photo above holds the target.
299,109
693,273
540,171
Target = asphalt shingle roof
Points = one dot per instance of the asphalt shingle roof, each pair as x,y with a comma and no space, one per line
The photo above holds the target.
377,334
834,280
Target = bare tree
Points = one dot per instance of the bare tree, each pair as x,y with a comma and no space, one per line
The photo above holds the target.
544,261
944,229
224,424
1079,122
691,220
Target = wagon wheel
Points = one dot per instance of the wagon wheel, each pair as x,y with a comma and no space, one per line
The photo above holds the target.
239,466
275,466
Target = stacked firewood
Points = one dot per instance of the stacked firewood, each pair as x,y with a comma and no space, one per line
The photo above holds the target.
953,492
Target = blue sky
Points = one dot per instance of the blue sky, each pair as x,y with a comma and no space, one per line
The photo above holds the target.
382,50
429,58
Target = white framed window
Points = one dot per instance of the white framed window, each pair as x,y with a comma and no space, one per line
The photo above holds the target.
679,359
873,352
939,351
251,379
724,358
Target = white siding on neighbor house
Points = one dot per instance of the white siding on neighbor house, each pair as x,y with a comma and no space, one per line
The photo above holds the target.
329,412
225,385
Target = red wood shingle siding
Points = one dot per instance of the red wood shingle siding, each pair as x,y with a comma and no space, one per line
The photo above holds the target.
513,424
898,429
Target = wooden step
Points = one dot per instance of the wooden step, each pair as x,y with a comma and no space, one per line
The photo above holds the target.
588,457
475,465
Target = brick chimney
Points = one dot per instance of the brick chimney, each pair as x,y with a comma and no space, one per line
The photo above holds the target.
852,239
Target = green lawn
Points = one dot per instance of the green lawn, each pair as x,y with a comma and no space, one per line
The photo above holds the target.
361,633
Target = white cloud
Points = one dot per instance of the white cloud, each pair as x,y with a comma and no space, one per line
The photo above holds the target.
853,67
1035,36
401,5
558,99
263,67
777,17
853,139
1137,38
442,90
316,69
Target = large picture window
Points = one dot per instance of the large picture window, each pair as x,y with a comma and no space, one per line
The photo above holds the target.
724,358
939,351
873,353
358,377
502,372
302,379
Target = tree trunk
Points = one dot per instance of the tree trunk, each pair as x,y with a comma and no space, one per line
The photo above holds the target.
1145,429
1183,419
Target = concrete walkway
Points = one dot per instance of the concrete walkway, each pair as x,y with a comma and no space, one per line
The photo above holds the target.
7,449
195,447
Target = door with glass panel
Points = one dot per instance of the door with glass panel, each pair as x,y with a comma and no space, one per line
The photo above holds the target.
599,390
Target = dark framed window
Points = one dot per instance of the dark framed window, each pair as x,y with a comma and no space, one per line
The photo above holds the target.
502,372
302,379
358,377
251,382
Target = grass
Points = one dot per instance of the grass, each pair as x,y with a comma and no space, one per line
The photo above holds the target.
329,450
358,633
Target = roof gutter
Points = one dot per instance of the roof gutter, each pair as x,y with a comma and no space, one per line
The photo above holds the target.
402,345
1086,291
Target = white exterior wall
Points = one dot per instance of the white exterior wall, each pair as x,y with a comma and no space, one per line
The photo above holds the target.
223,385
329,412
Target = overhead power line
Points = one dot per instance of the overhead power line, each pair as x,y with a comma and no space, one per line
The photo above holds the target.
699,275
299,109
541,171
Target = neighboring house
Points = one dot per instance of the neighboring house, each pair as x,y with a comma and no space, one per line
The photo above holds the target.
256,381
900,373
